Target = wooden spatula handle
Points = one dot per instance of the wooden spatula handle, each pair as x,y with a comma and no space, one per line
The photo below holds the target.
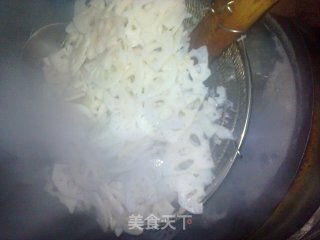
227,20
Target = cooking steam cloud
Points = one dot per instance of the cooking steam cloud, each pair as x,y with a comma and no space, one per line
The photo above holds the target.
142,149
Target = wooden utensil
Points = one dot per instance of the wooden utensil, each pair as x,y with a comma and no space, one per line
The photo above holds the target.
226,20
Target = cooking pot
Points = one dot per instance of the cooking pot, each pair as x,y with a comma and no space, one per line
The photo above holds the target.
271,190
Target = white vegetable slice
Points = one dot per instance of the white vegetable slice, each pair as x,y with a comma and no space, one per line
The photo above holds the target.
126,67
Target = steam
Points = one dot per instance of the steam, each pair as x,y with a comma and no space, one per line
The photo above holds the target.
36,125
36,129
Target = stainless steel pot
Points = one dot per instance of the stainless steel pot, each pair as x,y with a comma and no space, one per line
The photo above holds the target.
282,106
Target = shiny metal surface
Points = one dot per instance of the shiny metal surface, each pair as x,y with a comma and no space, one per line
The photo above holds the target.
232,70
43,42
303,198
